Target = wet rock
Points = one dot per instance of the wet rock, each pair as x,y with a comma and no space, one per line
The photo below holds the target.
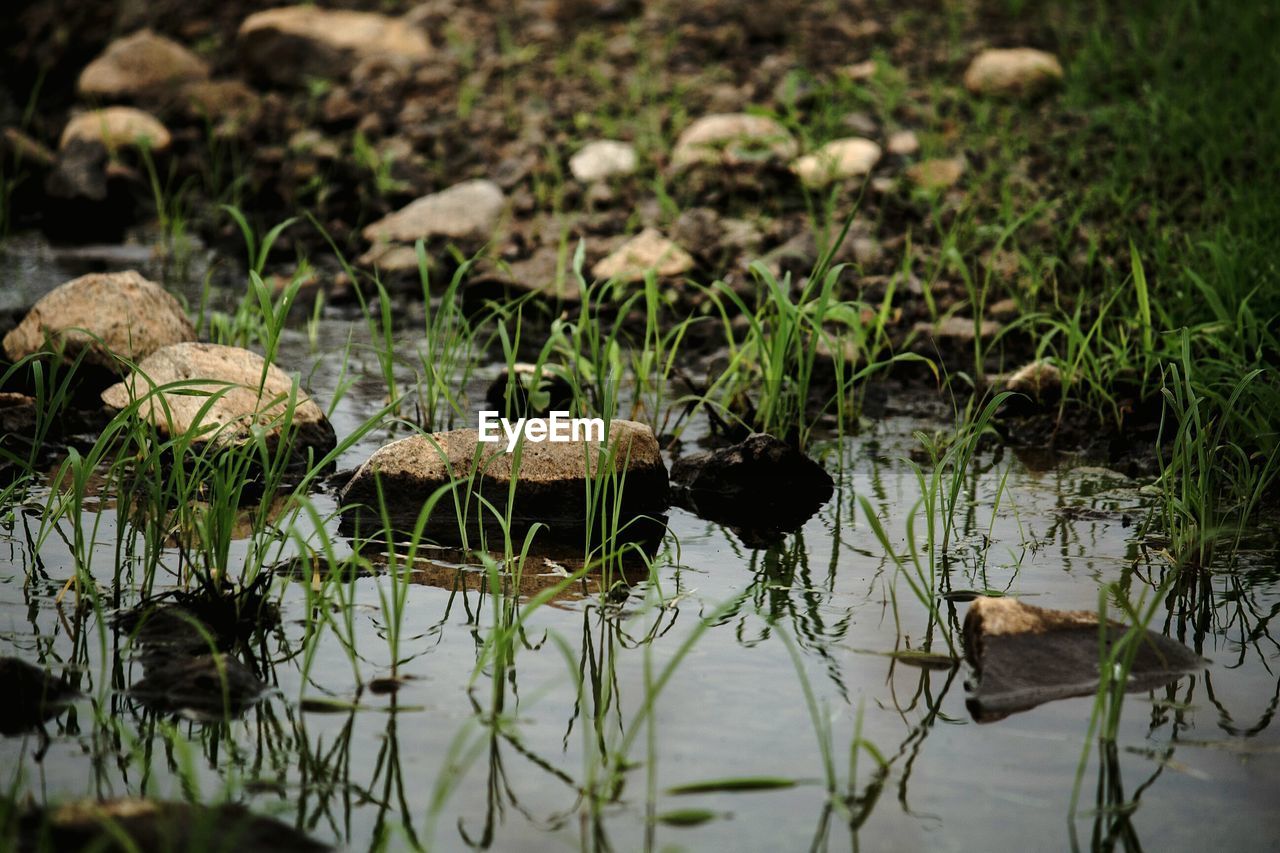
31,696
292,44
953,333
1040,380
550,480
604,159
249,399
152,826
534,392
646,251
18,414
903,143
762,487
115,128
838,160
938,174
138,65
105,316
467,213
1020,72
733,140
1023,656
206,686
700,230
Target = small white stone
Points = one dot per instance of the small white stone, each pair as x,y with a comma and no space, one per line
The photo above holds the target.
837,161
603,159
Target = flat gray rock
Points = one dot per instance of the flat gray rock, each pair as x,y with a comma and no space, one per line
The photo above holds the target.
1024,656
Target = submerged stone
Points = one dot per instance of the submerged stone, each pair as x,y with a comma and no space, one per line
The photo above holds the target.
1020,72
143,63
762,487
252,395
1023,656
31,696
105,316
550,481
206,686
155,825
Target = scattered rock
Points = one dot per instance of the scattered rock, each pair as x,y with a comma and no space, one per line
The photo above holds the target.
18,414
837,161
955,331
939,174
648,250
1020,72
105,316
292,44
207,686
467,212
733,140
248,399
138,65
539,273
1004,310
31,696
152,826
604,159
903,143
762,487
550,485
229,106
115,128
860,71
534,392
1023,656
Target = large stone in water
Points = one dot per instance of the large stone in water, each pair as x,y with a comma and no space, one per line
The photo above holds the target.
733,140
156,825
138,65
550,481
1020,72
31,696
1024,656
106,316
762,487
252,395
207,686
292,44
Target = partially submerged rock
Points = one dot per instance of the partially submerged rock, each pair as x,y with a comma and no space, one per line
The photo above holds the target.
762,487
31,696
1040,380
550,485
466,213
733,140
293,44
647,251
207,686
153,826
838,160
104,316
603,159
252,395
115,128
1024,656
1020,72
140,64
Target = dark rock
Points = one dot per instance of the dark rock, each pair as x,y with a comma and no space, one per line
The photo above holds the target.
207,685
151,826
761,487
31,696
1023,656
549,391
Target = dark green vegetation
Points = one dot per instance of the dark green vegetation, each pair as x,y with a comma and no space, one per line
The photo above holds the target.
716,687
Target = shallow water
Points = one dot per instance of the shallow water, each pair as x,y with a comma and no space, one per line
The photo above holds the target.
1200,755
